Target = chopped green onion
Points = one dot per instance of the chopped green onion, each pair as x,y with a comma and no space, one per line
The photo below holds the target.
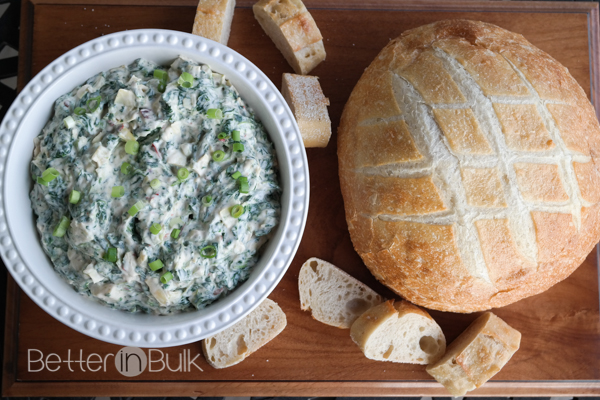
183,83
218,155
117,191
155,228
126,168
222,135
50,174
111,255
154,183
95,103
214,113
175,221
208,252
186,80
166,277
74,197
161,75
175,233
244,188
64,222
235,135
236,174
69,122
236,211
238,147
183,173
79,111
186,76
132,147
136,208
162,87
156,265
41,181
62,227
207,200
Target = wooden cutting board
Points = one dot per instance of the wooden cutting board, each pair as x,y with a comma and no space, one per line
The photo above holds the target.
560,349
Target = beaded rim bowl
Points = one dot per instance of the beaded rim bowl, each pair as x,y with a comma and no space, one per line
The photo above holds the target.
20,245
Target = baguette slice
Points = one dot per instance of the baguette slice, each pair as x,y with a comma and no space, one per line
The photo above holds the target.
308,103
213,19
237,342
399,332
334,297
476,355
293,30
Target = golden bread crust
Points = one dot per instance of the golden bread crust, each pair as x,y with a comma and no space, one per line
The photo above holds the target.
305,97
398,332
476,355
468,162
213,19
293,30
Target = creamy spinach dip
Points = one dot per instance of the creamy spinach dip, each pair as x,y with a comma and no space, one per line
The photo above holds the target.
154,187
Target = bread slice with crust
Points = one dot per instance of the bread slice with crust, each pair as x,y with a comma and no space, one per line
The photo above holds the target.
234,344
305,97
333,297
293,30
398,332
476,355
213,19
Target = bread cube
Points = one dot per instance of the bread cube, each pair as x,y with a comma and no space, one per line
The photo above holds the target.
306,100
334,297
293,30
213,19
476,355
232,345
398,332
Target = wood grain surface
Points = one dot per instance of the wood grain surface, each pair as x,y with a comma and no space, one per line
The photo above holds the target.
560,349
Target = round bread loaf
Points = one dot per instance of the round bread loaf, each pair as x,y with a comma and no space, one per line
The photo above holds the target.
469,167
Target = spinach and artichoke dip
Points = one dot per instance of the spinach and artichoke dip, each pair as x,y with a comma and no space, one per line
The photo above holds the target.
154,187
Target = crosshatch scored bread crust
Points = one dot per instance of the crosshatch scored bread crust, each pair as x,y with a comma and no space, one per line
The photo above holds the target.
468,166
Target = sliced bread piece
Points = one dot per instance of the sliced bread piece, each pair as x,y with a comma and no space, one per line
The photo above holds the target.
213,19
306,100
293,30
334,297
237,342
476,355
399,332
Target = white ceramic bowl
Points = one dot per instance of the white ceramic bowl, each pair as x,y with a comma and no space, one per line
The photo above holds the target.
19,240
